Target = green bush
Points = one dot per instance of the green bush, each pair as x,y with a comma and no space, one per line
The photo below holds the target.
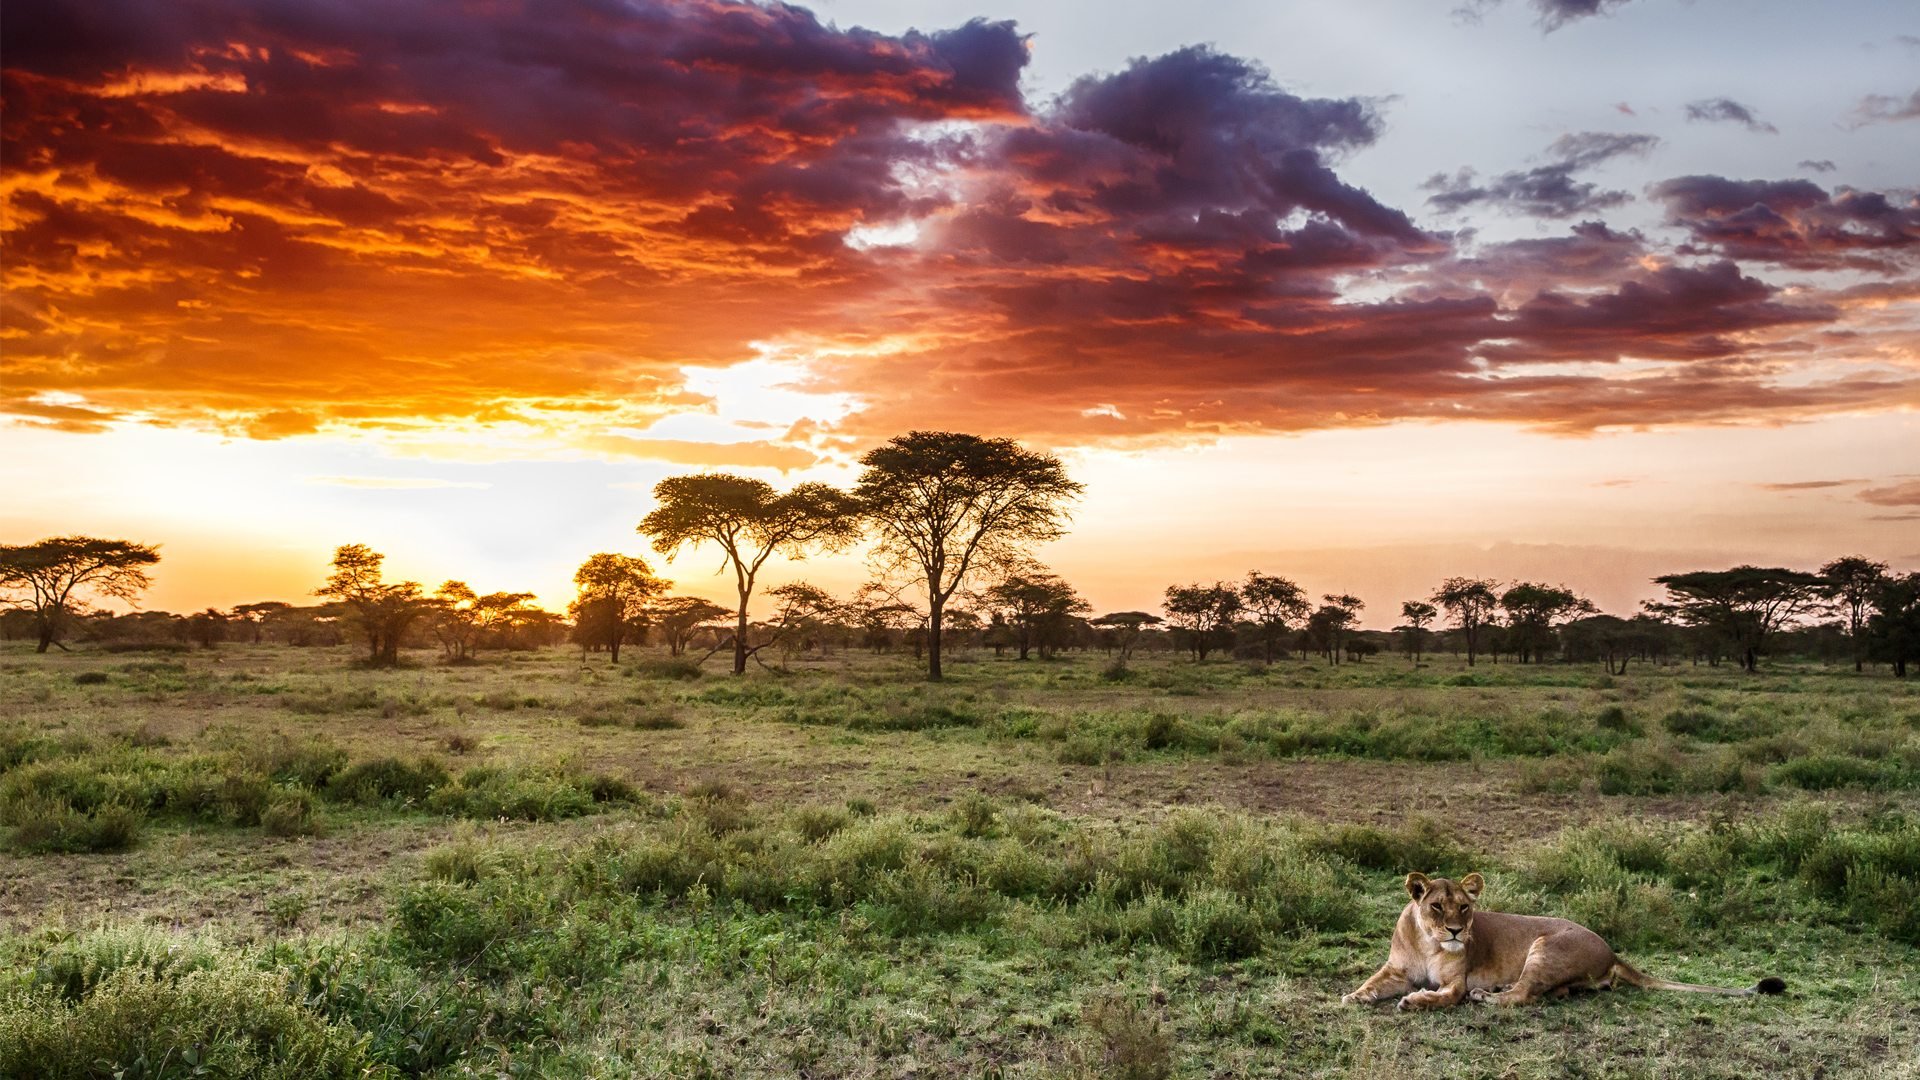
1821,772
291,812
1419,843
43,825
223,1022
74,966
382,780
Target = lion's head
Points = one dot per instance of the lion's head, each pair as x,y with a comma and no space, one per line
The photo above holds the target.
1443,909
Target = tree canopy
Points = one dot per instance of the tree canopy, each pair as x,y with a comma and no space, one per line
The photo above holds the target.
945,505
749,522
1743,606
1469,602
612,592
381,610
52,577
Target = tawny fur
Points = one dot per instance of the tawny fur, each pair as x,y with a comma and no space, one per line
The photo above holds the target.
1496,957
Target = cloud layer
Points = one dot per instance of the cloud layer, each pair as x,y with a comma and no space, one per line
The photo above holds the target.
276,219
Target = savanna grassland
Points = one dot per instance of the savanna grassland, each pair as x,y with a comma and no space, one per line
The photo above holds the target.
266,861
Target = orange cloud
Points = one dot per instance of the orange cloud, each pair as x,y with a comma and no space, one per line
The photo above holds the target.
274,221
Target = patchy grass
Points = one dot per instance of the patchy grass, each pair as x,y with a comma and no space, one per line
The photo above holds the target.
538,867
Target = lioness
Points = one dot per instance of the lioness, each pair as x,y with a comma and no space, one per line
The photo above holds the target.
1443,954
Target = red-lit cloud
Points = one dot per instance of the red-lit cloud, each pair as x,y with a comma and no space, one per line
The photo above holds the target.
278,219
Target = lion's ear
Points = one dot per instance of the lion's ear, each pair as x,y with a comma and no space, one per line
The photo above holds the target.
1473,883
1416,884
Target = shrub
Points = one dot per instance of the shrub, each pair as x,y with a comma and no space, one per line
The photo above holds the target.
387,780
310,763
527,794
1419,843
226,1021
42,825
678,668
73,967
1130,1043
974,815
816,823
1821,772
291,812
460,742
90,678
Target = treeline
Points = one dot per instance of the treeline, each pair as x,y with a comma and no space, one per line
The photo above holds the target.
951,521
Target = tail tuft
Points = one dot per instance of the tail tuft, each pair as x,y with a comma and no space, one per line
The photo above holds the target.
1770,985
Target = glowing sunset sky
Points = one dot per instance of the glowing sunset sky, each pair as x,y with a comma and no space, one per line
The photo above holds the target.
1362,293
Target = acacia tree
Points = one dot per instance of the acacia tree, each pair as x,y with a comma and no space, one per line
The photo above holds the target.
1125,627
257,615
50,578
947,505
1418,614
1468,601
1274,602
1039,606
1533,610
383,612
679,618
749,522
1852,583
1328,626
1743,606
612,595
466,617
1202,614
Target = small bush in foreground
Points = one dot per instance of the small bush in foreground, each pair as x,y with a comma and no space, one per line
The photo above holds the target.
225,1022
44,825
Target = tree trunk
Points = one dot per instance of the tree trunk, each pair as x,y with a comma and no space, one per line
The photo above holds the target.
46,639
936,610
740,640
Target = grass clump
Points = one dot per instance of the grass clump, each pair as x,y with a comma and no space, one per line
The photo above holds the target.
41,825
222,1022
387,780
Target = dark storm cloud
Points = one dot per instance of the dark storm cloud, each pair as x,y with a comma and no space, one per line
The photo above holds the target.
1793,222
1549,190
1729,111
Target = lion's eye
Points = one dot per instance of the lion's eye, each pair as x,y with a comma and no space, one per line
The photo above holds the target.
1436,909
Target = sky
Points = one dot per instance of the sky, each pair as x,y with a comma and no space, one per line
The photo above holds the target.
1362,293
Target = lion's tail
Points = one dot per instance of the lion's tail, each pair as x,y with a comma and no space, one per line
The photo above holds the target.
1626,973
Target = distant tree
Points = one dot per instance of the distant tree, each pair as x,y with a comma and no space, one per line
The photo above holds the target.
946,505
257,616
1533,610
466,618
1469,601
1742,607
1418,614
1038,606
1607,638
680,618
882,616
1852,582
1328,626
749,522
207,628
51,578
1893,626
1202,615
382,612
612,592
1125,627
801,613
1274,602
